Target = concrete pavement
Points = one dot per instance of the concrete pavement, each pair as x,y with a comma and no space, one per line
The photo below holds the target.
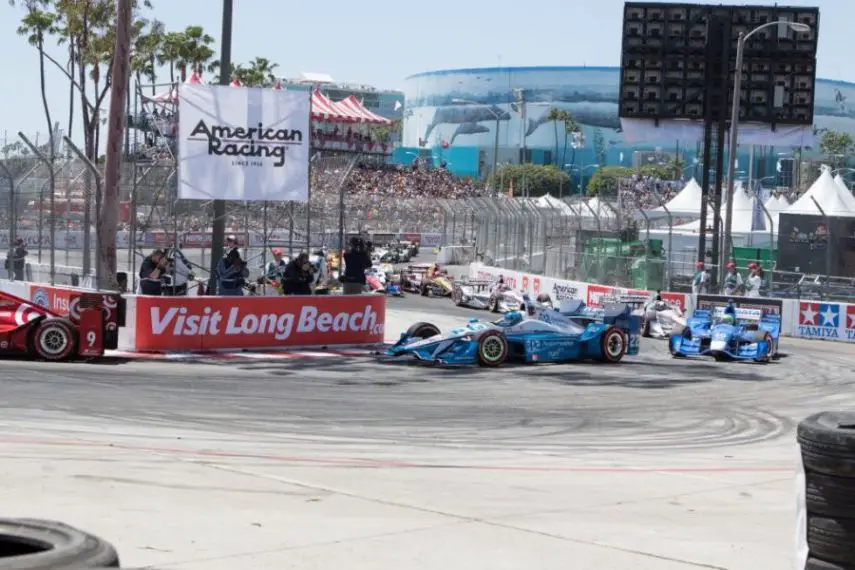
653,464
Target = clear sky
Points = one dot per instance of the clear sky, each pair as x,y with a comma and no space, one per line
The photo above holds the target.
382,41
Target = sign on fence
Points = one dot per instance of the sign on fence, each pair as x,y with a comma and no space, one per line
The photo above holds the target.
243,144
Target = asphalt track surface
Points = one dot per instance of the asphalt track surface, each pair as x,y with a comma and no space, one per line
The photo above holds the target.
651,401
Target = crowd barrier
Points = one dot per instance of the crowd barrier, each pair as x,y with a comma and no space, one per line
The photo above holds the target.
189,240
185,324
799,318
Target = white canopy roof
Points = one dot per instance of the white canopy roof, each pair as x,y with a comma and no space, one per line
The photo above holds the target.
743,214
551,202
832,199
602,209
686,203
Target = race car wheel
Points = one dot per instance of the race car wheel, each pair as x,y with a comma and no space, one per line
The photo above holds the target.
645,327
493,305
613,345
457,297
29,544
492,349
422,330
424,290
55,339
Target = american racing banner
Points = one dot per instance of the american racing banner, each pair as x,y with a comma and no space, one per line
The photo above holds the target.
243,143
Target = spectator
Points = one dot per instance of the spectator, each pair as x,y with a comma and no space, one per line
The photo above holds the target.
232,274
356,261
732,283
151,273
299,275
701,280
274,271
17,261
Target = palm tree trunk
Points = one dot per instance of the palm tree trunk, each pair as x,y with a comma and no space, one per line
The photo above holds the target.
564,152
72,59
555,126
109,220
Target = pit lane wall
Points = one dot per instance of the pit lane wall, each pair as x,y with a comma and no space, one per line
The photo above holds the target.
185,324
817,320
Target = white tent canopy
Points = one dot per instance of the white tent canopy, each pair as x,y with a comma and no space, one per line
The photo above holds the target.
832,199
743,214
686,204
602,209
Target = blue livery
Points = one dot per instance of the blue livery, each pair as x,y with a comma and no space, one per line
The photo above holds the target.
728,333
535,334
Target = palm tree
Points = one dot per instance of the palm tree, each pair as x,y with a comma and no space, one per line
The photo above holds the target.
214,69
170,52
556,116
195,50
147,46
571,128
35,25
263,68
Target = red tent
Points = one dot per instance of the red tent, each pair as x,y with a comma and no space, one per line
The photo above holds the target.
357,108
322,109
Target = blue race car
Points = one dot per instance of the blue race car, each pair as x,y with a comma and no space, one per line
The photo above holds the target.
728,334
531,335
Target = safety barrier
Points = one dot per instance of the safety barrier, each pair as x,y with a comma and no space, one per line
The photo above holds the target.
800,319
184,324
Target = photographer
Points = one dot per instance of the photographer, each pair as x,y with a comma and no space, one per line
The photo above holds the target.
299,276
356,261
177,274
232,274
151,273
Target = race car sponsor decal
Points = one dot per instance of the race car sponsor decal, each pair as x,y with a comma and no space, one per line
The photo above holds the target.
216,323
819,320
40,298
850,322
536,285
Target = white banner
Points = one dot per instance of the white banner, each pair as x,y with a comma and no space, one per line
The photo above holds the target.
243,143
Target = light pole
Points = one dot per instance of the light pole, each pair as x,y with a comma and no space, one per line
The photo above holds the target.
727,250
582,175
496,142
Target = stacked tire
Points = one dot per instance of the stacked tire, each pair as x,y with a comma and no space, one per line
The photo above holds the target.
29,544
827,442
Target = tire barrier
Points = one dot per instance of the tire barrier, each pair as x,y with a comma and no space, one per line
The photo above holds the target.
827,492
30,544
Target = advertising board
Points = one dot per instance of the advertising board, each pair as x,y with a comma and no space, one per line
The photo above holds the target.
221,323
825,321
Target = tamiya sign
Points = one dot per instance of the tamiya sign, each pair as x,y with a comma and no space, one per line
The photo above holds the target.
850,322
819,320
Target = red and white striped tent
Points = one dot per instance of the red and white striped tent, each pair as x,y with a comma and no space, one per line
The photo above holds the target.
322,108
366,116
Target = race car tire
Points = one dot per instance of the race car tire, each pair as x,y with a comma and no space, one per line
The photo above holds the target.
54,339
765,359
30,544
827,442
613,345
457,297
645,327
832,539
424,290
817,564
493,304
423,330
829,496
492,349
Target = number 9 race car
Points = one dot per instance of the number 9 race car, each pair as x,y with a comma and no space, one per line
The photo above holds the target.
27,329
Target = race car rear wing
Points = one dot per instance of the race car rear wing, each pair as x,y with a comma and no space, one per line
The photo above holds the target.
477,284
627,299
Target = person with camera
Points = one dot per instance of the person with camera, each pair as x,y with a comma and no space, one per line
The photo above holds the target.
356,261
177,275
299,276
232,274
151,273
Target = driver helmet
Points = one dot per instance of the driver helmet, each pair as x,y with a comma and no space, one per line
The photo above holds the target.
513,317
727,319
660,305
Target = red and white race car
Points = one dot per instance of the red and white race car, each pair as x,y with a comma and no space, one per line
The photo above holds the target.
27,329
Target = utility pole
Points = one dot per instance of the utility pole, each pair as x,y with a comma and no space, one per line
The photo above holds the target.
108,217
218,237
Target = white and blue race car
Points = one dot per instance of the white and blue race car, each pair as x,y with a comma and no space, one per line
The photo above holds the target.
728,333
535,334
